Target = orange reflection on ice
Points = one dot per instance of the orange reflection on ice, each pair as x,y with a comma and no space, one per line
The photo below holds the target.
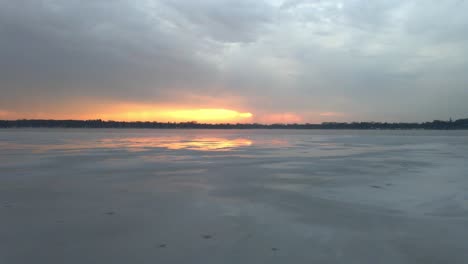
175,143
209,144
137,144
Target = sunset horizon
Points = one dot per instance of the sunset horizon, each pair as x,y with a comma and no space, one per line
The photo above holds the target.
279,60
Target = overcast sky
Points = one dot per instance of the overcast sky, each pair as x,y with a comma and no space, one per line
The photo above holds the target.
301,61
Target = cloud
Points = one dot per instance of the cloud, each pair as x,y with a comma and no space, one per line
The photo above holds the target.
4,114
385,60
280,118
222,20
332,114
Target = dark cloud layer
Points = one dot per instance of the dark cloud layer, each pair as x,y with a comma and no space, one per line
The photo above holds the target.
395,60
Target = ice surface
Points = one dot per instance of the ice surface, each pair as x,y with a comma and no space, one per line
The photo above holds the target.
230,196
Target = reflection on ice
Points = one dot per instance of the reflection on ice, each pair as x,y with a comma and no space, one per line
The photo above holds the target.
325,196
208,144
137,144
201,144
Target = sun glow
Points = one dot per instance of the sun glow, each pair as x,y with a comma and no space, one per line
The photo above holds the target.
208,115
183,115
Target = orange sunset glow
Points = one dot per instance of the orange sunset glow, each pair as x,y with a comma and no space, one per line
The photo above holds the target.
182,115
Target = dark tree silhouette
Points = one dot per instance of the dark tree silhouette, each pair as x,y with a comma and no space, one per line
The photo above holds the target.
436,124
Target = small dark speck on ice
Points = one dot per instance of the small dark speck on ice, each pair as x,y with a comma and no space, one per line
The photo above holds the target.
274,249
162,246
110,213
207,236
376,186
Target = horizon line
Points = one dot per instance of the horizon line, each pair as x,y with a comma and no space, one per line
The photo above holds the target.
194,122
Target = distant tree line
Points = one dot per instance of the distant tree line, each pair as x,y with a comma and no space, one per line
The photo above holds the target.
436,124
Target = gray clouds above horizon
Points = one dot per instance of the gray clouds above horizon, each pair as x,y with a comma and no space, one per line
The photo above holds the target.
381,60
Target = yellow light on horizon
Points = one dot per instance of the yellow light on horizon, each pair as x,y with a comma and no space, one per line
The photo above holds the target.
207,115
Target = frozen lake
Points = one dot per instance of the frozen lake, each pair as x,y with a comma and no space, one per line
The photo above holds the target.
218,196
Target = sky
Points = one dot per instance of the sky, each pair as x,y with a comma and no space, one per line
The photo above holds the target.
268,61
